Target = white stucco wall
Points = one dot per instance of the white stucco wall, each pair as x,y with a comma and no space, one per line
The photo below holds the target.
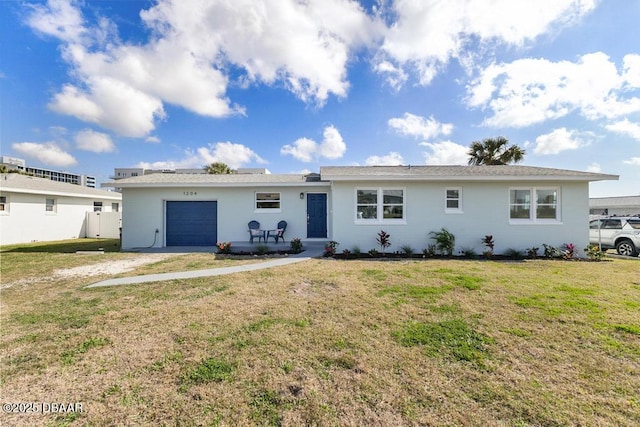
144,212
26,219
485,209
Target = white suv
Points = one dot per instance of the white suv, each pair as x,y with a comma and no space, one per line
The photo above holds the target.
619,232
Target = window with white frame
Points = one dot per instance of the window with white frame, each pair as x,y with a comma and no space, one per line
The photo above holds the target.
97,206
115,207
380,205
268,201
4,205
534,205
50,205
453,200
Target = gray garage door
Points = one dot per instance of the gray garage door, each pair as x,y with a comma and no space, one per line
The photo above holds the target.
192,223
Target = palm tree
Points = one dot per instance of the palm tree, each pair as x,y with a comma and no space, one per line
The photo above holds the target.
218,168
494,151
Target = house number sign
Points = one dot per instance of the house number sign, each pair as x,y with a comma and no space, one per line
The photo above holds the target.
189,193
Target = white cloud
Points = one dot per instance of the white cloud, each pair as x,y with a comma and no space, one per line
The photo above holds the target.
234,155
302,149
391,159
426,34
395,76
594,167
110,104
635,161
307,150
419,127
152,140
97,142
302,46
60,19
445,153
48,153
626,127
560,140
530,91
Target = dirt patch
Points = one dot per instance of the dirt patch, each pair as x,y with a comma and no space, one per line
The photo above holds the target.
111,267
312,288
104,268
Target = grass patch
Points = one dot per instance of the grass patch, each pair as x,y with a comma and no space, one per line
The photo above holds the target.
414,291
209,370
453,338
468,282
264,406
64,246
328,343
69,357
629,329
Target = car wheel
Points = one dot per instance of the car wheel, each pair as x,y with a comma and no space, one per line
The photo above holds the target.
626,248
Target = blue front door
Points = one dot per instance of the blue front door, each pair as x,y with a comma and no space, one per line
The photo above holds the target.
316,215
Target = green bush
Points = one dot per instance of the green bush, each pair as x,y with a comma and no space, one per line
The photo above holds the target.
296,245
445,241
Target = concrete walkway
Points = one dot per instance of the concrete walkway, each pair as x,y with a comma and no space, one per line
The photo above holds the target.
313,250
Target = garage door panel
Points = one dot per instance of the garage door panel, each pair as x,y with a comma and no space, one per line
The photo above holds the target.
192,223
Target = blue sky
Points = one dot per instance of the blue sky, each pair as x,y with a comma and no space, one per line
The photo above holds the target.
87,86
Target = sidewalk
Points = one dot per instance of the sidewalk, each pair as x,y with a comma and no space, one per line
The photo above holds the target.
311,250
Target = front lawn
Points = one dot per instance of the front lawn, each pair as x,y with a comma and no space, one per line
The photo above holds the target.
327,342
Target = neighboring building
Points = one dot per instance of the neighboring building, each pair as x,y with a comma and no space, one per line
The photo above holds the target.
624,205
520,206
122,173
14,163
37,209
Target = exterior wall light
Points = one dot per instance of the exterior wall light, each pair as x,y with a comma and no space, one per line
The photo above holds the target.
301,196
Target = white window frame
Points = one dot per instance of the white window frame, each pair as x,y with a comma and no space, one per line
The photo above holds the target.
98,206
533,206
54,206
447,209
5,205
267,210
380,206
115,207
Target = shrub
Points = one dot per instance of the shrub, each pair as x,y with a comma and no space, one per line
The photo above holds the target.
330,248
373,253
469,253
296,245
407,250
224,247
346,253
445,241
568,251
262,249
594,253
550,251
429,251
383,240
532,252
356,250
513,253
489,242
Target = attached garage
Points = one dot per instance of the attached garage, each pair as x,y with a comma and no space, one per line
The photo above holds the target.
191,223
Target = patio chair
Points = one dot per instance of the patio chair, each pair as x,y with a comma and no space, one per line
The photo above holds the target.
255,231
278,233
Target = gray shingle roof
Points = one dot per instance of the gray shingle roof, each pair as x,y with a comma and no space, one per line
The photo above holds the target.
356,173
334,173
18,183
178,179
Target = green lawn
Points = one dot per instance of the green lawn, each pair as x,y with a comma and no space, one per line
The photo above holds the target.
326,342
